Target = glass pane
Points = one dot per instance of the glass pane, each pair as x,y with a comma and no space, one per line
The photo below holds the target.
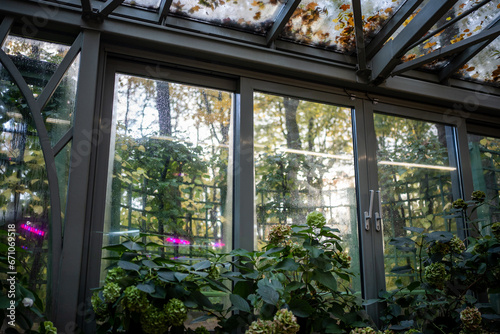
148,4
60,109
304,161
463,29
417,172
169,166
323,24
24,190
485,66
36,60
62,166
255,16
485,162
376,13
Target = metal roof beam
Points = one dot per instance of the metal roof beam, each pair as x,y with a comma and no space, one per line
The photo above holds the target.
283,17
449,23
5,28
487,35
462,58
390,55
109,6
363,71
164,9
390,27
86,6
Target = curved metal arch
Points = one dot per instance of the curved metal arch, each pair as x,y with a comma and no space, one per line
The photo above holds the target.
48,153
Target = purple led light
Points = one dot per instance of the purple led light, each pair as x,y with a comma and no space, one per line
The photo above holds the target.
32,230
178,241
218,244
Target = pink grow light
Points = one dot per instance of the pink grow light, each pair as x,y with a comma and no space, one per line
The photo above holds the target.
178,241
32,230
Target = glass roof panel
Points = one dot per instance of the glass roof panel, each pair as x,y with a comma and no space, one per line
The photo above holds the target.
376,13
326,24
148,4
485,66
255,16
460,30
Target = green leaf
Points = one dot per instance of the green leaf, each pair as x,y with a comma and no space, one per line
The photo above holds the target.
482,268
325,278
301,308
370,302
202,265
148,287
201,299
413,285
216,285
180,276
132,245
418,230
150,264
167,276
268,294
239,303
128,265
287,264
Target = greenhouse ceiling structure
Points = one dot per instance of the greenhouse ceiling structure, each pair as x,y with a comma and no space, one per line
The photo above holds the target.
204,122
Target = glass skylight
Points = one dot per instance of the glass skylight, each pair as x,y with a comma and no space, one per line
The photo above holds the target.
255,16
148,4
485,66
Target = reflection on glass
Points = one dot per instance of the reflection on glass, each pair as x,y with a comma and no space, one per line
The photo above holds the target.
24,190
304,161
36,60
416,168
376,13
168,166
148,4
485,162
463,29
256,16
59,110
485,66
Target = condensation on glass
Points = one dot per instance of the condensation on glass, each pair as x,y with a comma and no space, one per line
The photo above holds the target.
417,171
255,16
146,4
467,27
304,162
168,168
485,66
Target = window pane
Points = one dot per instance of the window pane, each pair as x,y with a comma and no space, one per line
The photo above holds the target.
304,161
485,66
169,166
254,16
417,172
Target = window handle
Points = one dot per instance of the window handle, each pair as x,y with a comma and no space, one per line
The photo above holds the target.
378,215
368,214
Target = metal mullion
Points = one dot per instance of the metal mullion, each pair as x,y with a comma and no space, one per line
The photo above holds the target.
281,21
164,9
360,38
75,219
86,6
109,6
243,168
63,141
5,28
48,155
487,35
389,56
461,59
56,78
390,27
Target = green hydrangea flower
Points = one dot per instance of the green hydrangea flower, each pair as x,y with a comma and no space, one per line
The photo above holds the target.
363,330
49,328
111,292
297,249
98,305
344,260
201,330
214,271
134,299
435,274
115,274
495,230
471,319
176,312
261,327
413,330
439,248
478,196
285,322
279,233
457,246
154,321
316,219
388,331
460,204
